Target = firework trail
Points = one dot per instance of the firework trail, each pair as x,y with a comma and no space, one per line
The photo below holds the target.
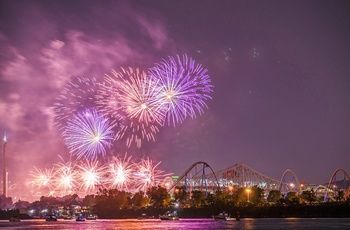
130,97
120,173
92,175
77,95
88,134
184,88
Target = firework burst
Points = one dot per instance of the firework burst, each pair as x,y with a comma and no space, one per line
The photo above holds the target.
42,178
88,134
65,178
77,95
87,177
147,175
184,88
91,175
120,173
131,98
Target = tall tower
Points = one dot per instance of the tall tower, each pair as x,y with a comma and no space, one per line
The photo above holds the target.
5,176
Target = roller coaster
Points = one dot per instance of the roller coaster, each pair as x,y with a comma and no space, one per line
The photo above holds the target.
333,188
201,176
196,177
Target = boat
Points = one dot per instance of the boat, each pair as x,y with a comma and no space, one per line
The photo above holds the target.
80,218
169,216
51,218
14,219
222,216
91,217
226,217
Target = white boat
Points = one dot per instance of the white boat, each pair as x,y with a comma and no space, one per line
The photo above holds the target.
169,216
226,217
91,217
222,216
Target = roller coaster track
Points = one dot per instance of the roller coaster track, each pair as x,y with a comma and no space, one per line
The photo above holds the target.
186,179
289,187
240,175
329,189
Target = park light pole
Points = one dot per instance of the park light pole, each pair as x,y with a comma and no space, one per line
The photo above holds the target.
248,191
230,188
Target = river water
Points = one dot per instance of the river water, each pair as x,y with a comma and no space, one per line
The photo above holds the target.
155,224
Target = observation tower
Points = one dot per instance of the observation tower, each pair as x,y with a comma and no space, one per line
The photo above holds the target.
5,176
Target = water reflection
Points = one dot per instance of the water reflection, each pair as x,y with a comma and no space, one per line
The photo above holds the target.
202,224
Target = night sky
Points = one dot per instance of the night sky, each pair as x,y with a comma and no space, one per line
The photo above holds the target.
280,71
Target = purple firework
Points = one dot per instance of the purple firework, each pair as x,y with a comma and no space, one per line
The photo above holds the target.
88,134
131,98
76,96
184,88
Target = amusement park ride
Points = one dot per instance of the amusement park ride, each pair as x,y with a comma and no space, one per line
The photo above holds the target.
200,176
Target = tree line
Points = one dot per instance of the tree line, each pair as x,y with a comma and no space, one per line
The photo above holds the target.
113,203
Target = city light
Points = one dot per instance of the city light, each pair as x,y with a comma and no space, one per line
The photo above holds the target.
230,188
248,192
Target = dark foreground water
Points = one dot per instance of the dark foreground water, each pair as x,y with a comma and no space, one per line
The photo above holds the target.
154,224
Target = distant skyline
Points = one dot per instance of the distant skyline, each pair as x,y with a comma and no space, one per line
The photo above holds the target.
280,71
